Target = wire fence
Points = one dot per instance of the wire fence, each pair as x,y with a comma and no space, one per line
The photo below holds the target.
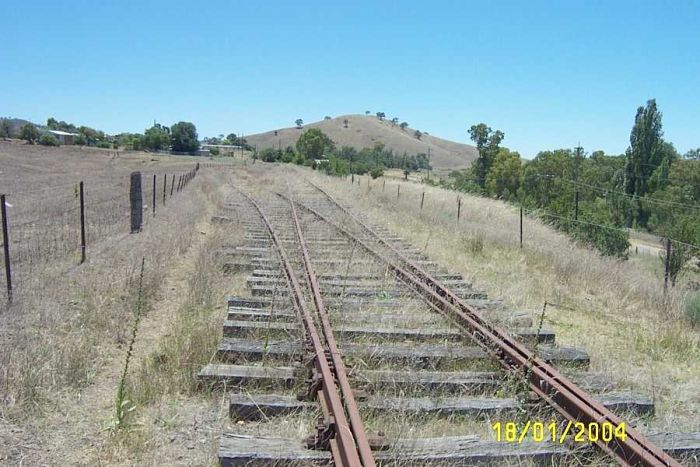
664,249
60,223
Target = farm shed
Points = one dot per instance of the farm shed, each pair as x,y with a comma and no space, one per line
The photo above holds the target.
64,137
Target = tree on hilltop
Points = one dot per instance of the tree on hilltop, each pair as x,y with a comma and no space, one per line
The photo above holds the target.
300,123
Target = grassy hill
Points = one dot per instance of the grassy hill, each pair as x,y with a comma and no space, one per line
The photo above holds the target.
364,131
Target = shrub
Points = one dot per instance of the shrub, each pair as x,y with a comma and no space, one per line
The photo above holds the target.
104,145
29,133
214,151
49,140
692,308
376,172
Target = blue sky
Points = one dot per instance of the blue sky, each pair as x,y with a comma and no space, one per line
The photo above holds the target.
549,74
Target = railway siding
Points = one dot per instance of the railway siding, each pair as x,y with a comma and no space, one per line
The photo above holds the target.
407,365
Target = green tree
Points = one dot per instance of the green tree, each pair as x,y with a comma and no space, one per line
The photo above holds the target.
5,128
345,123
29,133
376,171
313,143
52,123
417,134
90,135
685,230
48,140
488,144
183,137
403,125
367,112
596,228
381,115
646,151
156,138
270,155
692,154
394,121
503,180
300,123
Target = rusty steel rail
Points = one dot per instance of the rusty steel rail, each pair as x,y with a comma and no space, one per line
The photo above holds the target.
336,431
358,429
559,392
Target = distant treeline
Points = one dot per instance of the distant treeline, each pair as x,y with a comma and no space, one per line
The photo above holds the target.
315,149
595,197
181,137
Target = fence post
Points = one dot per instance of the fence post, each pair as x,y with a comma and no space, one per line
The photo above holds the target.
459,208
422,198
6,248
172,184
521,227
398,191
352,179
154,195
82,223
136,197
165,187
179,183
383,185
667,263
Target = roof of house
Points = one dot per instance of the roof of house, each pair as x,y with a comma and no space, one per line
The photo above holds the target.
62,133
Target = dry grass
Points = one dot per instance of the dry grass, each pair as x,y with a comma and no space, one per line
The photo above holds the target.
62,342
615,309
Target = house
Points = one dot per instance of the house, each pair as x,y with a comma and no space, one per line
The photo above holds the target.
64,137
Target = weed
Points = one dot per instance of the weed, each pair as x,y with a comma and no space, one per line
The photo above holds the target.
121,404
475,244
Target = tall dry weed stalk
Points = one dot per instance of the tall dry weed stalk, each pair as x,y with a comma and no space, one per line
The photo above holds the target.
121,403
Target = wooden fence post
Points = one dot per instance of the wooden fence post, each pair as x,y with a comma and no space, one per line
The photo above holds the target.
383,185
6,248
136,198
165,187
459,208
172,184
82,223
422,198
521,227
398,191
154,195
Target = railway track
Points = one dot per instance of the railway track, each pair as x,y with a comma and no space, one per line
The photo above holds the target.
370,348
